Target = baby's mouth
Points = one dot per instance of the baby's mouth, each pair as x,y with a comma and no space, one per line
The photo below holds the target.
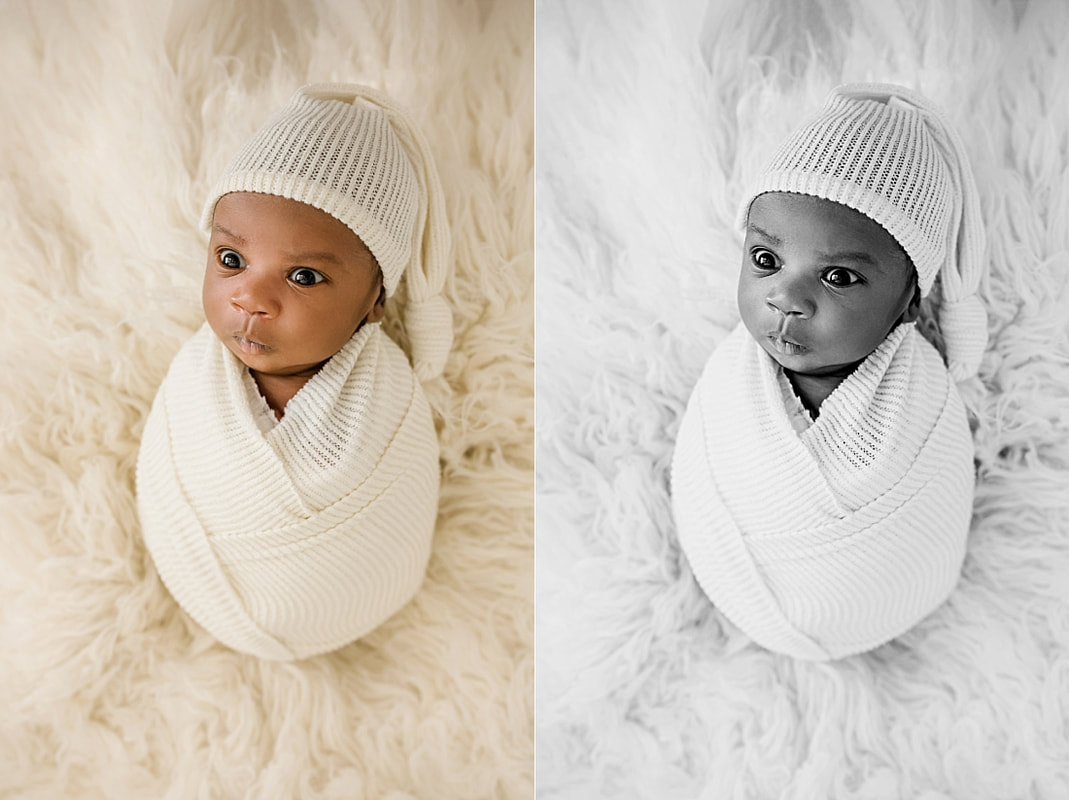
250,346
785,346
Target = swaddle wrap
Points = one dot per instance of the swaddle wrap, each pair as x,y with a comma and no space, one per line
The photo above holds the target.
831,542
301,540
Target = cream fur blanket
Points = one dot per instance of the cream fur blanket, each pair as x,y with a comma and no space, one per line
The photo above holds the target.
118,117
297,541
653,118
829,542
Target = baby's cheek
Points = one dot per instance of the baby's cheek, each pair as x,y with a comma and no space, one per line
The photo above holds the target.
213,306
745,297
209,301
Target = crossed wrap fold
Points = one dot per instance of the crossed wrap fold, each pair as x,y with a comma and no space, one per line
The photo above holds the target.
301,540
834,541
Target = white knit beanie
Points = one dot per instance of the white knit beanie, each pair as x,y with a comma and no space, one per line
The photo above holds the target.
887,152
353,153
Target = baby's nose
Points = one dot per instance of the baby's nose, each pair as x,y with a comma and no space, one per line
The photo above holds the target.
255,295
791,297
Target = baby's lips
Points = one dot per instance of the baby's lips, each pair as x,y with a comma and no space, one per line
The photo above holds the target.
250,346
785,346
249,334
780,336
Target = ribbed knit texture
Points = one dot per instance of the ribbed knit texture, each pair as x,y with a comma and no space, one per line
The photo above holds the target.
353,153
887,152
298,541
830,542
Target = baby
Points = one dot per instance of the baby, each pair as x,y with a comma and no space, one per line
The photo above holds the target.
288,473
823,475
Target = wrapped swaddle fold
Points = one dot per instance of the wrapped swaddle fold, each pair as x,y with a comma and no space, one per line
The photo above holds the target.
833,541
300,540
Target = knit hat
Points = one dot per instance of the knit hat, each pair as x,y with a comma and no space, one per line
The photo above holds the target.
353,153
887,152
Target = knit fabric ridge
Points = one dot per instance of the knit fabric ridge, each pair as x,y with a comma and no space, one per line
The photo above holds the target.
301,540
834,541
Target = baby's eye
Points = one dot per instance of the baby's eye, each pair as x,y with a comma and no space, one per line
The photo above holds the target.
840,277
231,259
762,259
306,277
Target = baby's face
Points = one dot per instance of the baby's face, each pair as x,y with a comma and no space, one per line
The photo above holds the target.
286,285
821,284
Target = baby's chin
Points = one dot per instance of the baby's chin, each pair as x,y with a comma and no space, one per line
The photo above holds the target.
267,367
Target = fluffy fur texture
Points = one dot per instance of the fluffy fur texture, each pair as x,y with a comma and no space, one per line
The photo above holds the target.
118,116
651,123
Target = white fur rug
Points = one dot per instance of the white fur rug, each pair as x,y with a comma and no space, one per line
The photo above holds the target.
651,117
117,115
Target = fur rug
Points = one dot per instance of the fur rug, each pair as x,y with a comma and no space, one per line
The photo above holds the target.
651,118
117,117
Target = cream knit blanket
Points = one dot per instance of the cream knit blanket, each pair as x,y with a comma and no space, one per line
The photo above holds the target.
303,539
833,541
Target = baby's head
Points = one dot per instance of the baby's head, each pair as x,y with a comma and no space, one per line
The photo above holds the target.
821,285
847,228
286,285
312,226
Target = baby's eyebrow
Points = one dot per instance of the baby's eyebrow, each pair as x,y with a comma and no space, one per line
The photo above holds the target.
230,234
323,256
762,232
859,256
856,256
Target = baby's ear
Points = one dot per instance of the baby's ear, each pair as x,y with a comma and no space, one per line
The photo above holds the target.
378,311
913,310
